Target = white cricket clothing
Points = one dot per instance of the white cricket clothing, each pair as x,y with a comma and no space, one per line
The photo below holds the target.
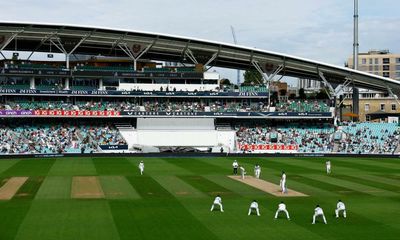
340,207
283,177
282,208
235,164
242,172
254,205
217,200
141,167
257,171
318,212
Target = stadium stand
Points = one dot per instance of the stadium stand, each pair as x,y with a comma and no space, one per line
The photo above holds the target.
56,138
302,106
369,137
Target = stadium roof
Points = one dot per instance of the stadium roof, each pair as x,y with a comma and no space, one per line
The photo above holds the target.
68,39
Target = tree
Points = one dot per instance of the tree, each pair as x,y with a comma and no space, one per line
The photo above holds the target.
252,77
282,92
322,94
302,94
225,81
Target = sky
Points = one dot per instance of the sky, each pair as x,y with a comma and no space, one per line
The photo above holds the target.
316,29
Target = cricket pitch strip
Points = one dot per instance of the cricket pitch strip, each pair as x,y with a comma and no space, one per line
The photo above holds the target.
267,186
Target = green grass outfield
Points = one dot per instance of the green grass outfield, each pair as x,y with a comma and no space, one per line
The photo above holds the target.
172,199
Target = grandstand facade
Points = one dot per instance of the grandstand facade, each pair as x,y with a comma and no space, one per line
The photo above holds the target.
118,95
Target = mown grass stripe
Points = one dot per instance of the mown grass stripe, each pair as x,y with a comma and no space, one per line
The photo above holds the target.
353,185
12,214
73,167
195,166
178,187
369,182
114,166
208,187
68,219
118,187
30,188
324,185
30,167
55,187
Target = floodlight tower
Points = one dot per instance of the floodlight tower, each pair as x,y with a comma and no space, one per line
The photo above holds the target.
355,43
235,41
355,61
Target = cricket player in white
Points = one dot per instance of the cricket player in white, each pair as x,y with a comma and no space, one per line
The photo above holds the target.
257,171
340,207
242,171
254,205
318,212
282,208
328,167
235,166
217,201
141,167
283,182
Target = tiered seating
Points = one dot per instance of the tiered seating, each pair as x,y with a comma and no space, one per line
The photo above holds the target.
302,106
308,138
104,68
59,138
14,86
369,138
26,105
253,89
157,69
37,66
185,69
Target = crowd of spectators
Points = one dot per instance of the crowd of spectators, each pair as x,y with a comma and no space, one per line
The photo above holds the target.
170,106
308,138
369,138
302,106
56,138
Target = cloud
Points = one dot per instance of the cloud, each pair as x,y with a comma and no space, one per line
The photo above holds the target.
320,30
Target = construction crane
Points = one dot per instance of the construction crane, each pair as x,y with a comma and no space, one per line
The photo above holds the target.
235,41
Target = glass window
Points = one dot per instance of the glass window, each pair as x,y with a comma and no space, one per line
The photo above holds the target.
382,107
376,61
386,74
393,107
364,61
397,60
367,107
386,60
370,68
398,67
385,67
370,61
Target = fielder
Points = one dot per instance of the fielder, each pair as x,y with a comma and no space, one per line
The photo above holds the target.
282,208
217,201
242,171
235,166
318,212
282,183
254,205
141,167
257,171
328,167
340,207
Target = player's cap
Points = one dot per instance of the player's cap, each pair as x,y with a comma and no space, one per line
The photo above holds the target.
317,205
